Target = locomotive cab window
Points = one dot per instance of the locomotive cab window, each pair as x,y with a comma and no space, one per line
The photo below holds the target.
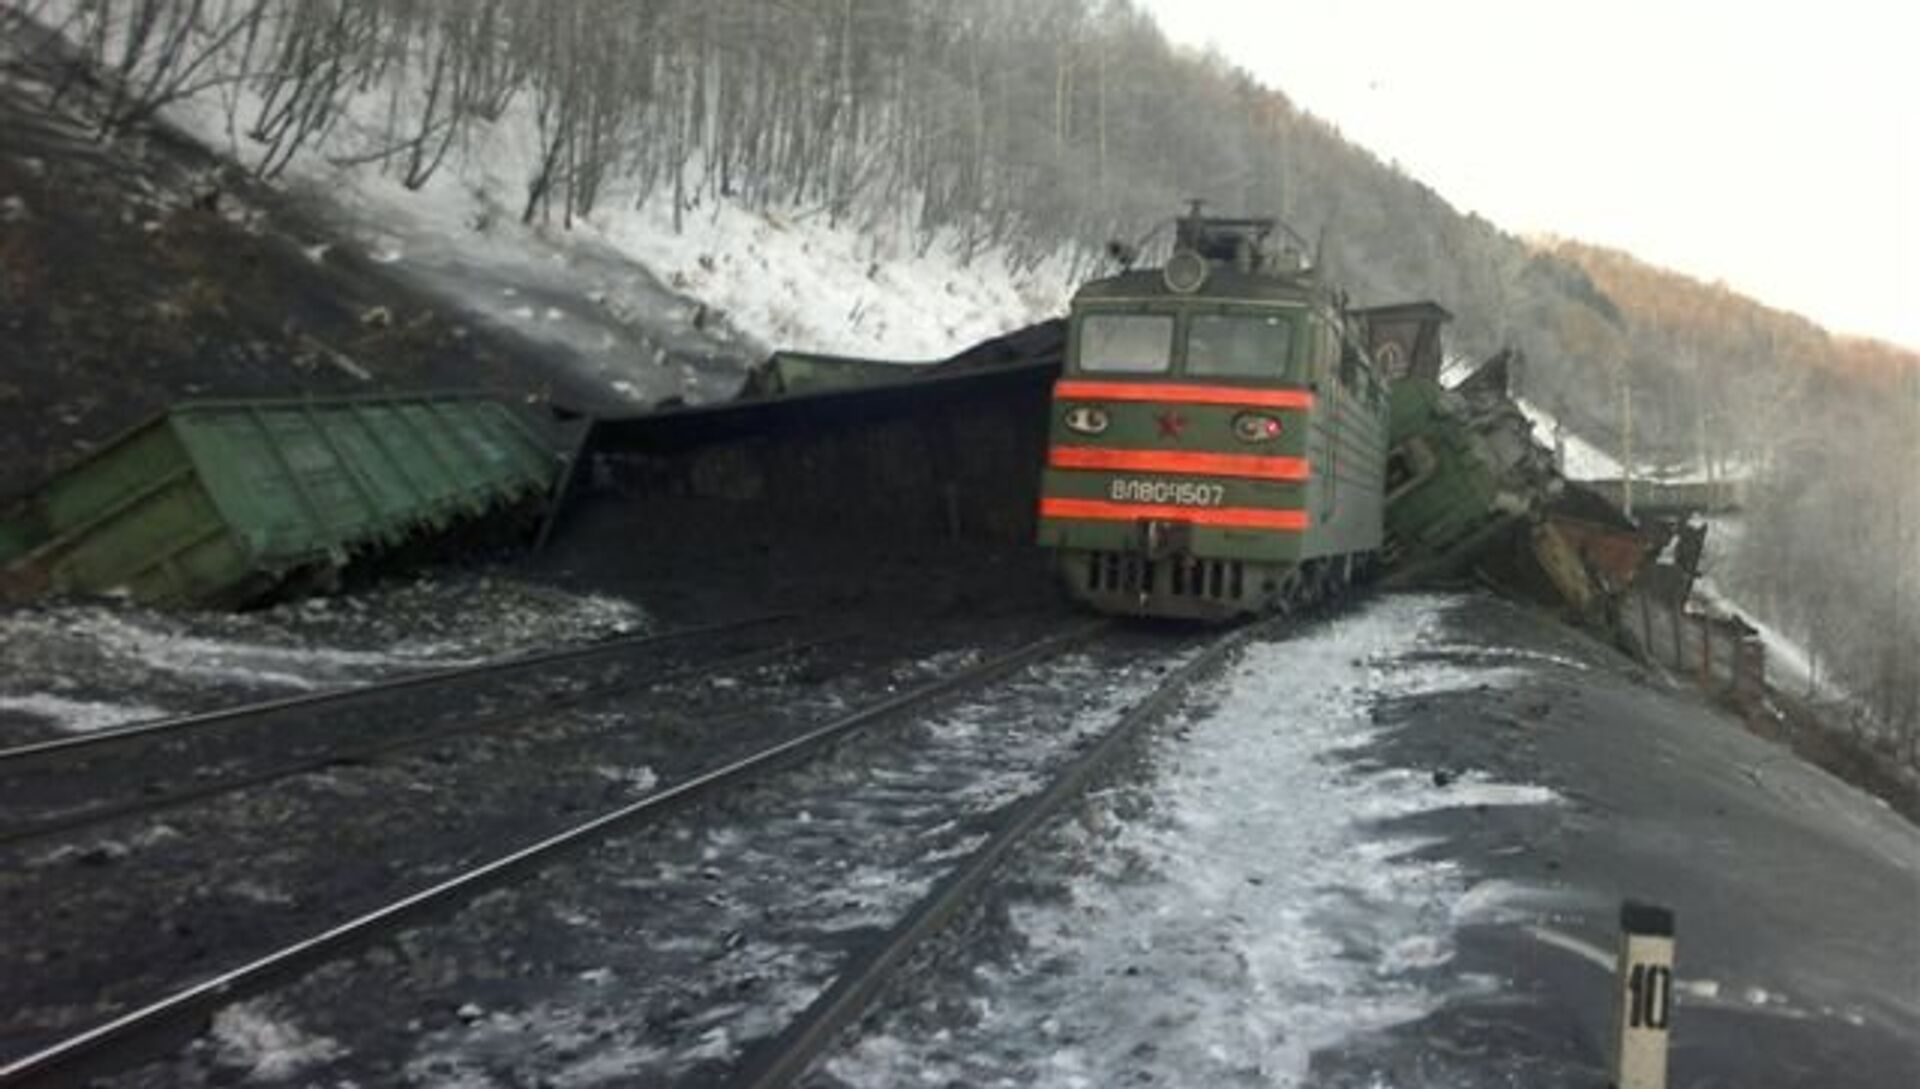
1239,345
1126,343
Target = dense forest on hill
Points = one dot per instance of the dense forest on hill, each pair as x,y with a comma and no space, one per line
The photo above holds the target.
1022,130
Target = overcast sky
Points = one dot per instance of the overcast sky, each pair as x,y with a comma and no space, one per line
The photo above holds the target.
1772,146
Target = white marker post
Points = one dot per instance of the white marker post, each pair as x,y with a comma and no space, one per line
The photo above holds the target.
1644,1007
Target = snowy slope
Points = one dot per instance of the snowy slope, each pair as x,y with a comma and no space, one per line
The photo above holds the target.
646,310
644,304
73,668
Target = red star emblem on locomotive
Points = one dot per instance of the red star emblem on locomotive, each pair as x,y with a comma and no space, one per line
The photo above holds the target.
1171,424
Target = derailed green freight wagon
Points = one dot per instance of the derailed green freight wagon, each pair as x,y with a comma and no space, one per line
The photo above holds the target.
1463,470
1439,490
1470,490
220,503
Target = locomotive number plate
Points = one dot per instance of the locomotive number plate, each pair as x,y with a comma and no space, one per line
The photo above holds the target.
1183,493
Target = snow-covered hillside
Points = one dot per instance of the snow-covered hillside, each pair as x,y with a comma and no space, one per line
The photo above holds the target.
652,308
643,303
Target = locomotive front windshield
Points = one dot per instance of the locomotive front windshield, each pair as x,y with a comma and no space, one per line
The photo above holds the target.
1126,343
1239,345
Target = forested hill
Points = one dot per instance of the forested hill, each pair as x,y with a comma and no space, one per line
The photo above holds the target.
1713,314
1013,133
1012,130
1719,381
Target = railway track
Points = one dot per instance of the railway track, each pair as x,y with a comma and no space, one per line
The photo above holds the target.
39,753
72,785
981,839
100,921
58,1060
783,1060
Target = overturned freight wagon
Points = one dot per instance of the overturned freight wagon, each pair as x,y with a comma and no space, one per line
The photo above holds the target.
1464,470
225,502
1471,492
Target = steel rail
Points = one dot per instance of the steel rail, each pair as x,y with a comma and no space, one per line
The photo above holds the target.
786,1058
118,1042
427,678
73,820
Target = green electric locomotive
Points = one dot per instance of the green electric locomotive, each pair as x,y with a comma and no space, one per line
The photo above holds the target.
1219,436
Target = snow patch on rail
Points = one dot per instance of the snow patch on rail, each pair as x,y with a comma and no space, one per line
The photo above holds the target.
76,667
1259,914
300,668
74,716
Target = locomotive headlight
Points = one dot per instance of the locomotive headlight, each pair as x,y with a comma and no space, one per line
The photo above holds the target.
1087,420
1256,427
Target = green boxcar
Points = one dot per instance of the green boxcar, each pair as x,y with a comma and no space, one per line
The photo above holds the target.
1218,442
218,502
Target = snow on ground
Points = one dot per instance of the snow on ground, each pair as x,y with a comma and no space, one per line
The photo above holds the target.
638,305
747,916
157,644
1258,915
653,310
90,666
590,1058
796,280
76,716
252,1037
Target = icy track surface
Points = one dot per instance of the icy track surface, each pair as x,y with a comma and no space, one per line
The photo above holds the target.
1254,915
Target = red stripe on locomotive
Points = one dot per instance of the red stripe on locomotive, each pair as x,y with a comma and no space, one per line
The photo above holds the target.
1227,517
1258,466
1182,393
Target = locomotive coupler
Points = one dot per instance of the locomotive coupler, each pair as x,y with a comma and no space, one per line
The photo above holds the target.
1160,538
